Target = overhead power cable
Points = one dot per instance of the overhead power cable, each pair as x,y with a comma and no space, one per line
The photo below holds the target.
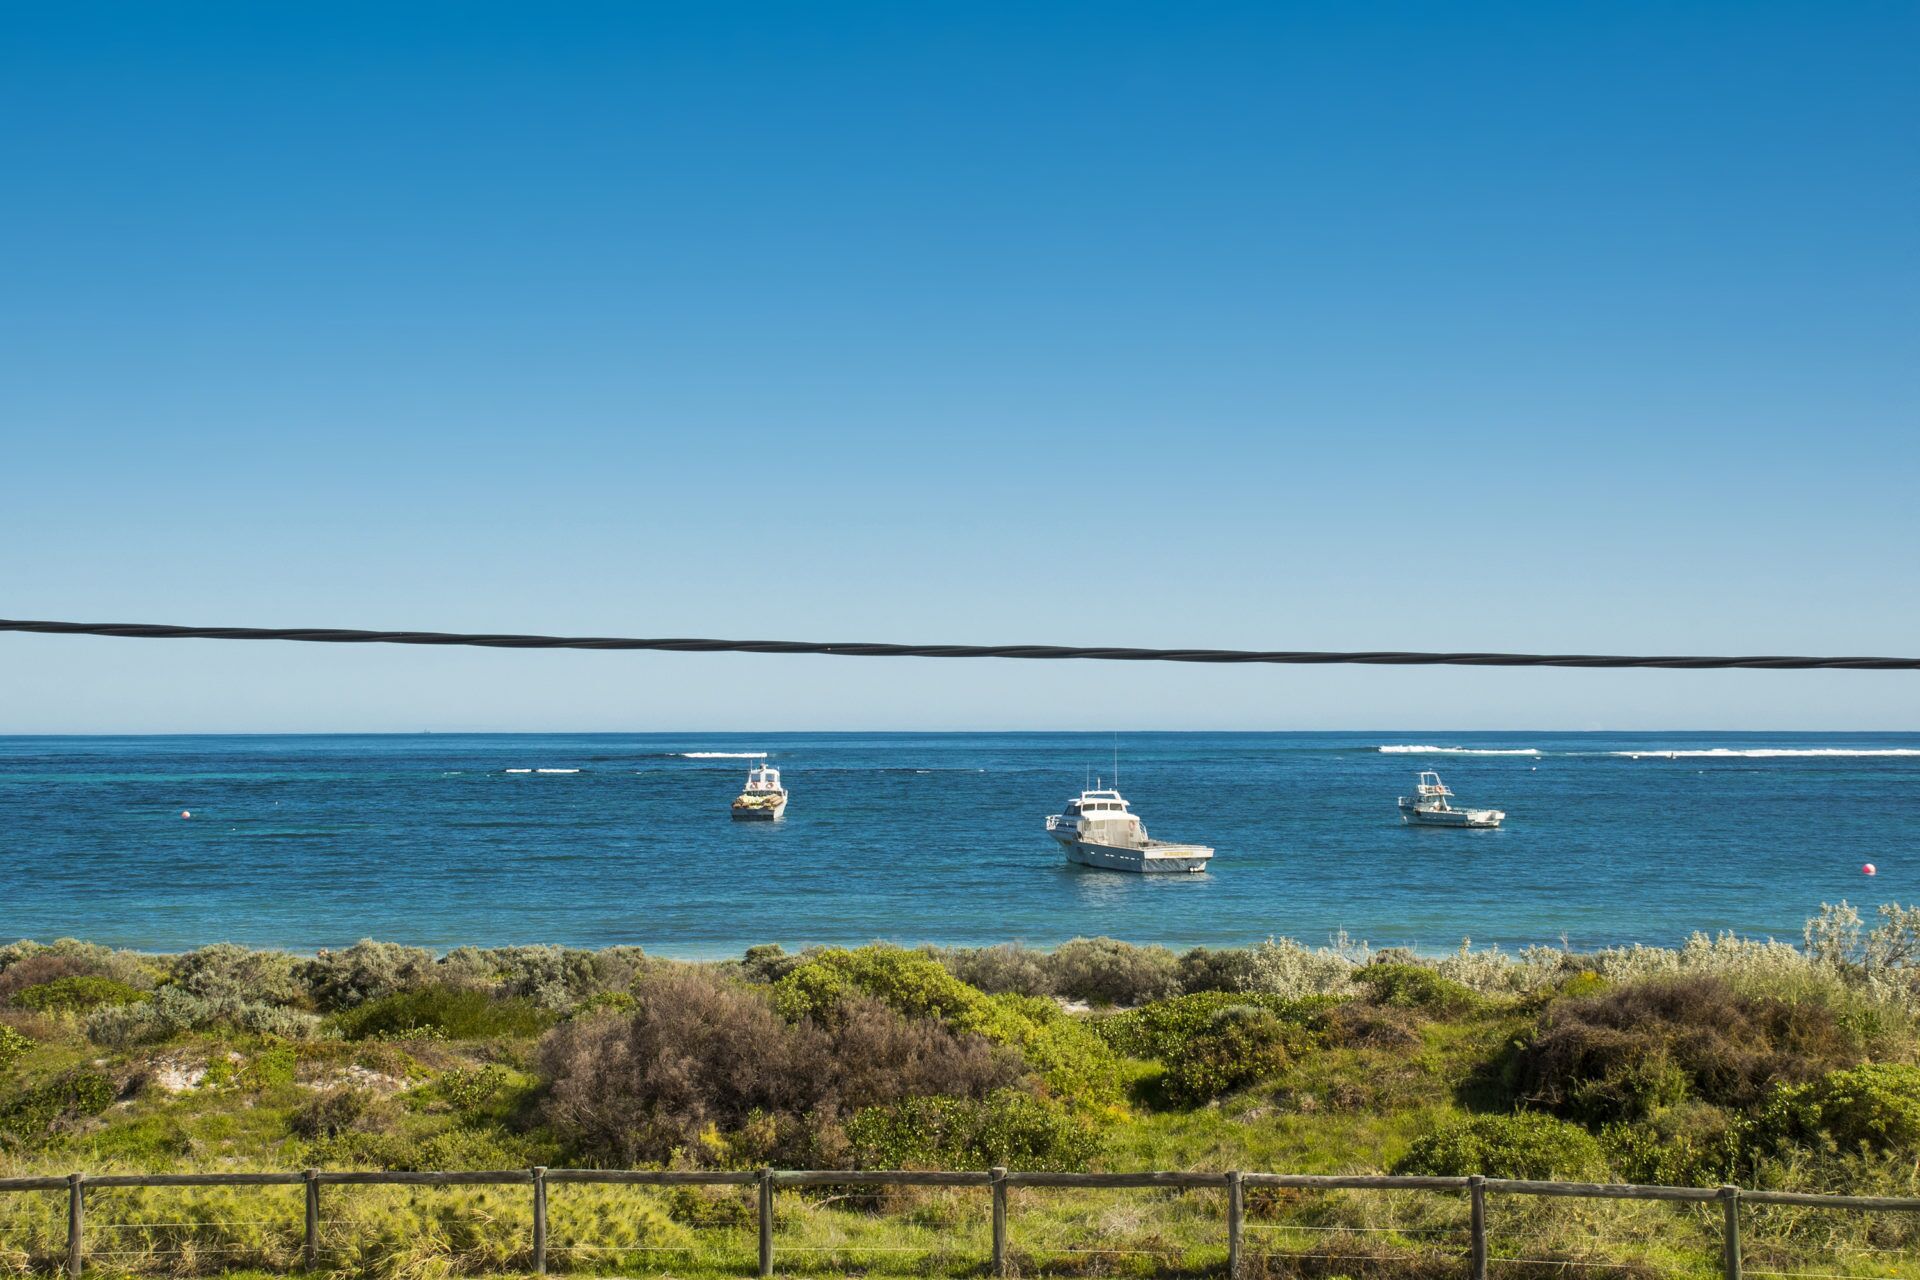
867,649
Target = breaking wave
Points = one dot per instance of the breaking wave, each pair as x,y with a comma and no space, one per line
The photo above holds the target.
1765,753
723,755
1422,750
556,771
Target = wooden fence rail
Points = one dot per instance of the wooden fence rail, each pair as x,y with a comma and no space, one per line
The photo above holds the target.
996,1180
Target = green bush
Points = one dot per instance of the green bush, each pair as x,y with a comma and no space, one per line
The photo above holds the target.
1228,969
468,1091
1163,1027
1240,1044
77,995
1696,1145
1008,1128
1075,1064
455,1014
1106,971
1876,1106
13,1047
1523,1145
47,1107
1410,986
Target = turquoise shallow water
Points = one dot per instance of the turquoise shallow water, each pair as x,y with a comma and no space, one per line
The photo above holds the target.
306,842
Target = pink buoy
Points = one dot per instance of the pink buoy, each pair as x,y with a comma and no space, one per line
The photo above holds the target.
1868,870
186,813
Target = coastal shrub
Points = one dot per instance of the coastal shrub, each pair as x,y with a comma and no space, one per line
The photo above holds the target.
1163,1028
1491,971
1368,1026
711,1070
1239,1045
1692,1145
1283,967
450,1012
76,995
1009,1127
1226,969
1621,1055
365,971
1875,1106
13,1047
1523,1145
339,1110
1008,967
26,964
1409,986
225,971
1105,971
555,978
174,1010
54,1105
768,963
468,1091
1073,1062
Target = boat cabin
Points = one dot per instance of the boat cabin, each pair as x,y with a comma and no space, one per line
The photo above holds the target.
762,778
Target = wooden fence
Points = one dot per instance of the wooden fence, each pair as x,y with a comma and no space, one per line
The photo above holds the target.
997,1182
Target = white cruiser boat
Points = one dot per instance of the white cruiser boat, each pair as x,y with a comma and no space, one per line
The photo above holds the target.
1098,830
1428,807
764,799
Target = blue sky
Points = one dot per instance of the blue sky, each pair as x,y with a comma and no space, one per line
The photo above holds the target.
1481,326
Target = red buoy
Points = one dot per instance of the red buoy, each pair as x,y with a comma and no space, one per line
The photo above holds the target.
186,813
1868,870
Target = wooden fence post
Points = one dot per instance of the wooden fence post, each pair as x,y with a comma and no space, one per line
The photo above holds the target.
998,1177
76,1224
539,1220
310,1250
1477,1224
1730,1251
1236,1209
766,1222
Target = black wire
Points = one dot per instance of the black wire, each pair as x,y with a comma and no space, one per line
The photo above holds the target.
1300,657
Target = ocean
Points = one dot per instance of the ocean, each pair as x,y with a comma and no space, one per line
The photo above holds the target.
306,842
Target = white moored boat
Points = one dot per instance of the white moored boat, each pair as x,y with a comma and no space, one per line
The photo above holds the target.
1098,830
764,799
1428,807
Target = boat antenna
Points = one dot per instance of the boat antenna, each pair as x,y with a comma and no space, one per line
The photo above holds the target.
1116,760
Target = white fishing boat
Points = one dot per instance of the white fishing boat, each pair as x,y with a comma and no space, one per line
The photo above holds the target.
1428,807
1098,830
764,798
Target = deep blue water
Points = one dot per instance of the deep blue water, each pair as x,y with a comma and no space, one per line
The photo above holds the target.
305,842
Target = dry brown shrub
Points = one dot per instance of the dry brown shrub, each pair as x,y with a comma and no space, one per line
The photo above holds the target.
1368,1026
702,1058
1619,1055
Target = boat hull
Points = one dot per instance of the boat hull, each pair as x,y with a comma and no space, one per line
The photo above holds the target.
759,813
1483,818
1175,859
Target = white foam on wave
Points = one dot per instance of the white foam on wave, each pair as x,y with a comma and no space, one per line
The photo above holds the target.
723,755
519,771
1423,750
556,771
1767,753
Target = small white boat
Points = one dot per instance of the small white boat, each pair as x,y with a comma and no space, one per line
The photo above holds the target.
1428,807
1098,830
764,798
